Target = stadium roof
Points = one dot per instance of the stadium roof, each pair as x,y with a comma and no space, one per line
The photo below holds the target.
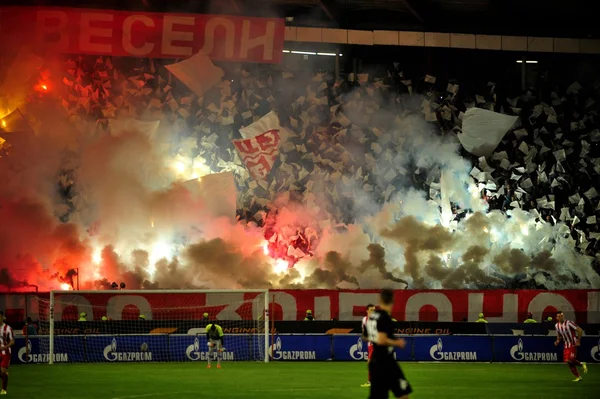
552,18
556,18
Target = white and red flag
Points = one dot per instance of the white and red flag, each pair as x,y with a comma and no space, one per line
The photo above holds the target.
259,147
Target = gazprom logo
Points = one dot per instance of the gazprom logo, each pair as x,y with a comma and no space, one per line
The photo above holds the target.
276,353
26,355
437,353
356,351
111,354
518,353
23,353
275,349
436,350
193,351
595,352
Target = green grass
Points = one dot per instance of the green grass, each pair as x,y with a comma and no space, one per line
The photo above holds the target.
293,380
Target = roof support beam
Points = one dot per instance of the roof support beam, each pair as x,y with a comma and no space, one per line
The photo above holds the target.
234,6
327,8
409,5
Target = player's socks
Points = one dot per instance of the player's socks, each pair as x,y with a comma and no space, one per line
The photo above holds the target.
577,362
574,370
4,381
584,365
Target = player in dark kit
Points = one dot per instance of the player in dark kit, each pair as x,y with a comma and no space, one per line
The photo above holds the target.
385,372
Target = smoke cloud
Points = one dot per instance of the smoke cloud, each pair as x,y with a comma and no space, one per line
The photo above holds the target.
84,204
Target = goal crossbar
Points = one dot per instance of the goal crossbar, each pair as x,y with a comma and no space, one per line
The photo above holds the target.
256,308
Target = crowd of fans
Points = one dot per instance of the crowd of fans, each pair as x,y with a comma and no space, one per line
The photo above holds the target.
548,163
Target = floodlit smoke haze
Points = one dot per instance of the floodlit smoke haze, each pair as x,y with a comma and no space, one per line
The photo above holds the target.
138,212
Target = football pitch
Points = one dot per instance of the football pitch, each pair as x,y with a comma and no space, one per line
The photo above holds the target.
292,380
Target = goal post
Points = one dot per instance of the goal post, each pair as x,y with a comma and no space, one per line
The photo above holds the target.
152,326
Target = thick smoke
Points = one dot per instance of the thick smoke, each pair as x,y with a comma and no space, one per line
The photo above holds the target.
95,206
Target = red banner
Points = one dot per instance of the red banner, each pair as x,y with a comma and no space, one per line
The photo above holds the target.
582,306
144,34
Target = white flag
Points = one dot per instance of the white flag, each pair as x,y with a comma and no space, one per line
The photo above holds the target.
198,73
483,130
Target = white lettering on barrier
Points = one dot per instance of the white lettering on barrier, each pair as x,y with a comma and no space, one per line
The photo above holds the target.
258,308
128,46
510,308
350,300
545,300
78,301
56,29
438,300
230,301
437,353
44,30
518,353
89,34
170,35
266,41
289,307
209,35
111,354
276,353
39,357
117,303
322,308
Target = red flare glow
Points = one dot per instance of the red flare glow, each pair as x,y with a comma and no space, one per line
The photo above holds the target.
290,252
41,87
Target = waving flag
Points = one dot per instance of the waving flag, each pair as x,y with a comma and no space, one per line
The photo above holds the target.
483,130
198,73
260,146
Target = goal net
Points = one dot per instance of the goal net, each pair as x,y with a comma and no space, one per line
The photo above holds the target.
151,326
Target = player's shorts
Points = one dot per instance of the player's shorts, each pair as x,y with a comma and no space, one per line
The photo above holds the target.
4,361
569,354
216,343
386,377
370,351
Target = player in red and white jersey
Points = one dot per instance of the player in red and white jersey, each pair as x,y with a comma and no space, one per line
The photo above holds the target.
7,340
370,308
570,334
